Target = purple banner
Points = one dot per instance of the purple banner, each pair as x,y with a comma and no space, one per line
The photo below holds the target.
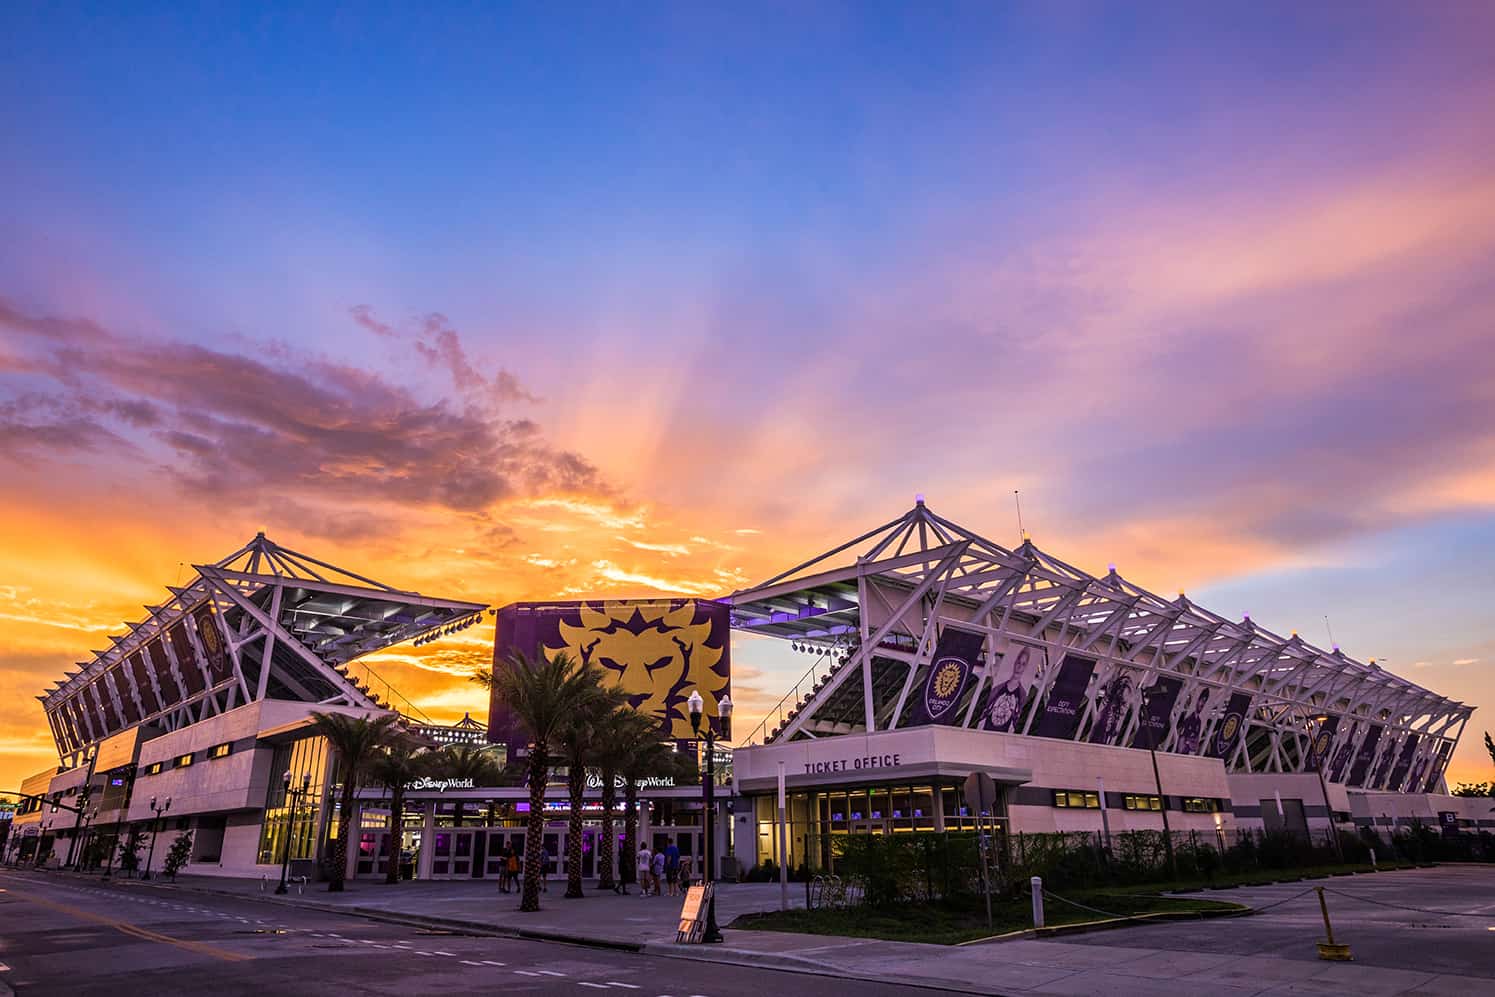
954,659
1157,708
1004,702
1232,725
1061,712
1365,756
1339,768
1323,740
1191,724
1383,764
1403,764
1436,773
1113,706
213,647
656,650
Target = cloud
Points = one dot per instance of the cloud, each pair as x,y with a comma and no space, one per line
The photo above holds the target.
440,344
1465,661
232,426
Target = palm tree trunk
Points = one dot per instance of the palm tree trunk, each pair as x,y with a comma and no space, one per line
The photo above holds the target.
630,831
576,785
396,833
608,844
534,834
344,828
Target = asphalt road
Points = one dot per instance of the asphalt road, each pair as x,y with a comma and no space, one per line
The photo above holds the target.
67,936
1439,920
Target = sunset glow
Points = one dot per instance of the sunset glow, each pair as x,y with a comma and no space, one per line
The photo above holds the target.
502,309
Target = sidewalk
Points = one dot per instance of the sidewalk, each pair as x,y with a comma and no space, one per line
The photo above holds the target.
1101,965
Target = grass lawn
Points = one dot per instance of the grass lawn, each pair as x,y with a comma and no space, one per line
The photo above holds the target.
953,922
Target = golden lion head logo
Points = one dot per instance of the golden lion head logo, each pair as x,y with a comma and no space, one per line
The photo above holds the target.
1232,724
947,680
655,652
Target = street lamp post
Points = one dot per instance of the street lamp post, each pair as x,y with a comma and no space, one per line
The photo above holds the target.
294,796
75,845
155,829
697,705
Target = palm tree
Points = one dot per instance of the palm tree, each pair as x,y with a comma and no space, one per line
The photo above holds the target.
647,757
400,763
577,742
542,695
354,740
467,761
619,735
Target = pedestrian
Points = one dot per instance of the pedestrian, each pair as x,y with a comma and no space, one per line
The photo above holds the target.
672,868
512,867
544,868
656,870
503,869
685,873
642,867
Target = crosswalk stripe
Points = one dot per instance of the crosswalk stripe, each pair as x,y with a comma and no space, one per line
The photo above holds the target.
490,962
469,962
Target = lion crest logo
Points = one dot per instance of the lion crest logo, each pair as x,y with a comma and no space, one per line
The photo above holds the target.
945,680
655,651
1228,729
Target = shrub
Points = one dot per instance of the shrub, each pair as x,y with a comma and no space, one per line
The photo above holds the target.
180,854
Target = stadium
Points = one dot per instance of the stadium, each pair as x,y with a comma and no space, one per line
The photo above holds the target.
933,653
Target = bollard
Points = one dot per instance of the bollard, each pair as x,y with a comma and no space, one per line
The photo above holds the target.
1036,883
1330,949
1373,866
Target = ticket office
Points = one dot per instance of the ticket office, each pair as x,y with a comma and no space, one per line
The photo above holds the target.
817,817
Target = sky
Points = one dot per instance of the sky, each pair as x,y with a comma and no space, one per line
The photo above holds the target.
520,301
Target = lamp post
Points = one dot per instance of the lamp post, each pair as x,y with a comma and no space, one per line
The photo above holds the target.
294,795
75,845
113,847
697,705
157,811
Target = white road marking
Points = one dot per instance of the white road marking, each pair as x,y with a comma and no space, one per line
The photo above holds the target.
431,954
615,983
469,962
550,972
525,972
449,955
490,962
595,986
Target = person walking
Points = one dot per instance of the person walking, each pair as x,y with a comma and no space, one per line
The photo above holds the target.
685,873
544,868
656,870
642,866
503,868
672,868
512,867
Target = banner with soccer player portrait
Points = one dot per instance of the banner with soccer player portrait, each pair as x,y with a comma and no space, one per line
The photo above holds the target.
1323,740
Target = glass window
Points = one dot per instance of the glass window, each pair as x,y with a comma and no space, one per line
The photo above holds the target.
1076,799
219,750
307,756
1135,801
1200,805
182,761
154,768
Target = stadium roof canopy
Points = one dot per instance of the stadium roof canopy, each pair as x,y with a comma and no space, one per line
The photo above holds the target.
264,622
871,610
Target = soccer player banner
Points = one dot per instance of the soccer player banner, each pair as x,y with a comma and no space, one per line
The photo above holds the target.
1005,701
1437,771
1365,756
954,659
1157,711
1399,771
1113,706
1228,733
1323,740
1061,712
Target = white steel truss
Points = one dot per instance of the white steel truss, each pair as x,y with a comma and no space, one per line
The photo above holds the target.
264,622
871,610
